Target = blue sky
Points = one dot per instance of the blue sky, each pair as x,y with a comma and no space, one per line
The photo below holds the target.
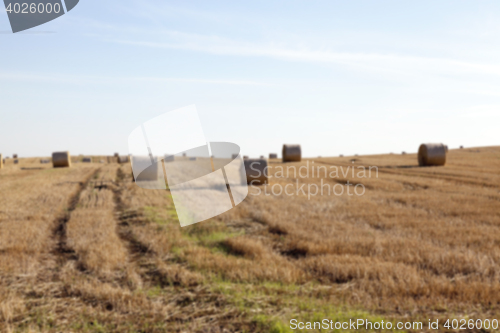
338,77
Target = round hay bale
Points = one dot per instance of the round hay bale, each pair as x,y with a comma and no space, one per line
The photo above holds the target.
123,159
292,153
341,155
148,171
116,155
16,161
61,159
87,160
403,153
461,147
273,155
262,157
431,154
14,156
256,170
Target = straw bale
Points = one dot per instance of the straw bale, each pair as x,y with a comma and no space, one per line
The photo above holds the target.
150,171
432,154
123,159
61,159
292,153
256,170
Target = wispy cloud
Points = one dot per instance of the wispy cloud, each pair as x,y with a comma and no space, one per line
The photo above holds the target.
84,79
388,63
394,54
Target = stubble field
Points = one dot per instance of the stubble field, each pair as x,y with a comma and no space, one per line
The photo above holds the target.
86,250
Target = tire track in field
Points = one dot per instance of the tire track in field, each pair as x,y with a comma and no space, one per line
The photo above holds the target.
62,250
445,176
127,217
148,247
145,259
140,254
187,301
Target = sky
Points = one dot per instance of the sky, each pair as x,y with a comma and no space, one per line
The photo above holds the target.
337,77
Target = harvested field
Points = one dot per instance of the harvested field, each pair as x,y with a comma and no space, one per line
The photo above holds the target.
84,249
